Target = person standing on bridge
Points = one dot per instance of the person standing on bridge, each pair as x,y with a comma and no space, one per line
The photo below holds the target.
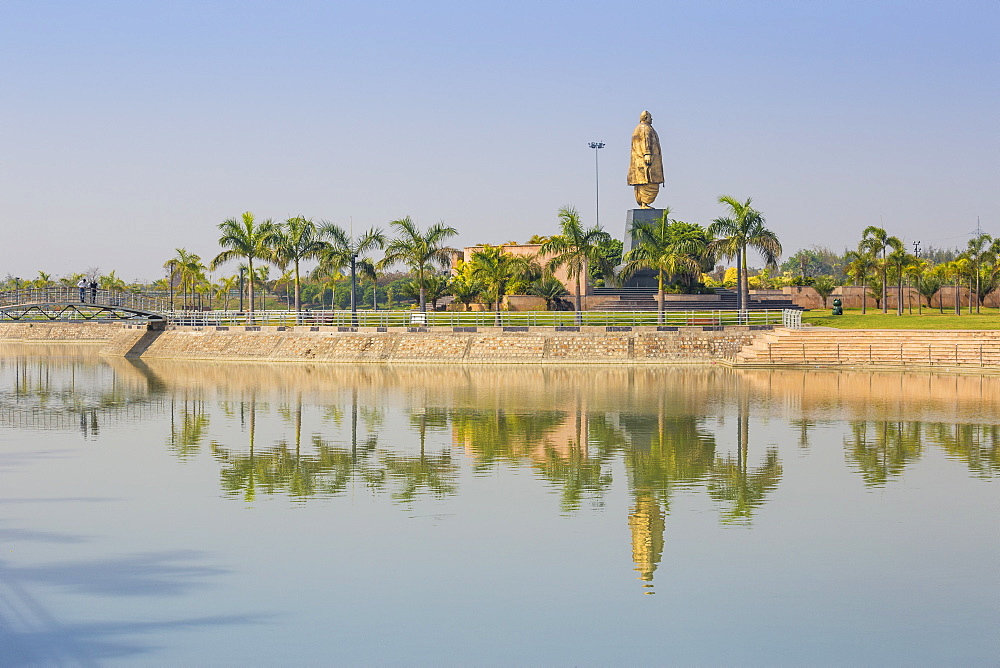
82,284
93,292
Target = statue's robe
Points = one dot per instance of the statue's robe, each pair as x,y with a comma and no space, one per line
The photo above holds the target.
645,141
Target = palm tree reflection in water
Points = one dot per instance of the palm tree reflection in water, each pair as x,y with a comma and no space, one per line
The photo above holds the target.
664,453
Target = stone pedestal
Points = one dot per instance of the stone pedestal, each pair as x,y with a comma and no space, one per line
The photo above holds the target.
638,216
644,278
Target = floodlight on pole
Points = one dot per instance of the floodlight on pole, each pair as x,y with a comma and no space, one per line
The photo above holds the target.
597,146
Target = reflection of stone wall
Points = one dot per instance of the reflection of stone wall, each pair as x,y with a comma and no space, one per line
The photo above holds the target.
663,390
816,394
540,345
58,331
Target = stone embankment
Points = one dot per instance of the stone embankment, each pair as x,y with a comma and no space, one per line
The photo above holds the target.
738,346
467,345
883,348
68,332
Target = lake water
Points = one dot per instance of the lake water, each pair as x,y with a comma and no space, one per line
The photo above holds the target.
177,513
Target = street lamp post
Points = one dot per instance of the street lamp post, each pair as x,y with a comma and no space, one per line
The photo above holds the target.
242,270
354,289
597,146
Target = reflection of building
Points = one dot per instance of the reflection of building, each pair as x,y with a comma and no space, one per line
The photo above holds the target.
647,523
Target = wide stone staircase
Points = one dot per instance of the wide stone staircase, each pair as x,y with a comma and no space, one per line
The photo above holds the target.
820,346
644,299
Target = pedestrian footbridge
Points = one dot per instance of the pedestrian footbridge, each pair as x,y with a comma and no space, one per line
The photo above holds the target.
75,305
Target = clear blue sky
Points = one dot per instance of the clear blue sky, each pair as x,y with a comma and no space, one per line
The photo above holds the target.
132,128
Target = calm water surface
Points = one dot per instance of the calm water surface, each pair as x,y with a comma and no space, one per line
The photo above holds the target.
172,513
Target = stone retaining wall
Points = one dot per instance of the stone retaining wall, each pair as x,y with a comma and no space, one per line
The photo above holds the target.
590,345
84,332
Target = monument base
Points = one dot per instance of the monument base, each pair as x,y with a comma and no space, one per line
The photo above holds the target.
644,278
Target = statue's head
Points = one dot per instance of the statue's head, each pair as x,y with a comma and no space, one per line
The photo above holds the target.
646,117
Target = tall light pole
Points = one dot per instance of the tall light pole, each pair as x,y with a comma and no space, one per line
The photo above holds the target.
242,270
597,146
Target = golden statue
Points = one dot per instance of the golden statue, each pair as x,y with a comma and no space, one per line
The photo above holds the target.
646,169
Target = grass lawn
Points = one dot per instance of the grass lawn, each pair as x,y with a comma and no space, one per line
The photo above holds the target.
989,318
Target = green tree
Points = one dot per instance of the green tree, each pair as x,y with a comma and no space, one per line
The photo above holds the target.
366,271
113,282
878,241
576,248
549,288
465,287
344,251
860,264
186,269
824,286
665,247
246,238
496,270
979,251
816,261
419,250
898,260
224,288
919,272
298,240
954,271
612,250
43,281
741,230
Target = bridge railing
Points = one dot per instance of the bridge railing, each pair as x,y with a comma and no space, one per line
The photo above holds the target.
416,319
74,295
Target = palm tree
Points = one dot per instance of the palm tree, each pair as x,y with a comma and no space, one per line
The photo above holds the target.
343,250
861,262
185,267
298,239
43,281
824,287
224,288
916,271
366,271
575,248
287,279
464,286
954,270
877,240
497,269
112,282
743,228
549,288
418,250
246,238
980,249
664,248
898,259
262,276
171,266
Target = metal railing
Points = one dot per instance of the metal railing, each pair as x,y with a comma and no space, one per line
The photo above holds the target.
74,295
408,318
418,319
791,318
